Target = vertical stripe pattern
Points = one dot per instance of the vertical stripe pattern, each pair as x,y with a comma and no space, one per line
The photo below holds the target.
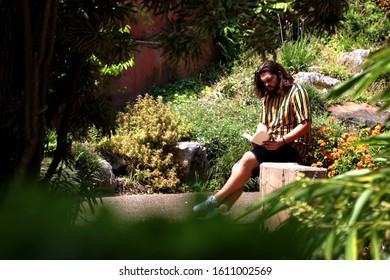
282,113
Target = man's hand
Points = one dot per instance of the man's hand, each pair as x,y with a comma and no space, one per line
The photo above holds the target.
273,145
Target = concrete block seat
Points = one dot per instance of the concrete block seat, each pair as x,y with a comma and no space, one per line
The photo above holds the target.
274,175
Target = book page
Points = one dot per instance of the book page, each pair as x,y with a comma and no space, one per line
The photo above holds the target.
247,136
258,138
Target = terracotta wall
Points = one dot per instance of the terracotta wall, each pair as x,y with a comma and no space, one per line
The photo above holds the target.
150,68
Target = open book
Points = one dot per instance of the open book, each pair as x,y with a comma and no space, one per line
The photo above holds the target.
258,138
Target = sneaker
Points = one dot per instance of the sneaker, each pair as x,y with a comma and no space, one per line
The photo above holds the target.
206,206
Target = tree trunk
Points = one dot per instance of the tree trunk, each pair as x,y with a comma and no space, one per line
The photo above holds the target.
37,60
64,126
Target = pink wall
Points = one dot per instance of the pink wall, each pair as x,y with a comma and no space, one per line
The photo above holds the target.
150,68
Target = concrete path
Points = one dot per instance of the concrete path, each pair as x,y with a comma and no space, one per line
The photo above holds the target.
169,206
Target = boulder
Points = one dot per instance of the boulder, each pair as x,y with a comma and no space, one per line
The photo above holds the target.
355,114
117,162
192,159
318,80
105,174
354,59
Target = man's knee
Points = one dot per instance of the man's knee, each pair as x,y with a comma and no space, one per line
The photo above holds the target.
249,160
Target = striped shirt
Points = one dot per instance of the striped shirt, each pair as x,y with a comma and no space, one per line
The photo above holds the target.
282,113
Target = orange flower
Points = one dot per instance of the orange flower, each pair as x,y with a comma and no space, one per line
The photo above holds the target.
376,130
351,139
321,142
362,148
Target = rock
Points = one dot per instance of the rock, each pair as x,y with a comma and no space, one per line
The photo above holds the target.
117,162
192,159
105,174
316,79
355,114
354,59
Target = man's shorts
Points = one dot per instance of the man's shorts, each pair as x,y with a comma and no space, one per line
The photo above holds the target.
285,153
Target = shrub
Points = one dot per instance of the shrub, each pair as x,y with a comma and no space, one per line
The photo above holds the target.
146,131
339,151
366,25
180,91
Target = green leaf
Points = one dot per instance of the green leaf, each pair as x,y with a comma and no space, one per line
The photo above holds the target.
375,244
359,205
329,243
351,251
378,63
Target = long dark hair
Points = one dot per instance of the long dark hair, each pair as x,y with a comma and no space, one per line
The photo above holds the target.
274,68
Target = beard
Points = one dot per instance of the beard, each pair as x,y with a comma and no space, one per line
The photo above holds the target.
274,90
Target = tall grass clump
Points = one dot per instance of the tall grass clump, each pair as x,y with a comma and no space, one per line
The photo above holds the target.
298,55
298,48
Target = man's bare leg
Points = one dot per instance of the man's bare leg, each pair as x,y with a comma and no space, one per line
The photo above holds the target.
234,186
232,190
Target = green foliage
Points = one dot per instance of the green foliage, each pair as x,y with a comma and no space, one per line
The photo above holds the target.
327,61
66,96
186,89
51,235
325,15
252,23
317,100
81,179
299,49
226,41
366,25
298,55
347,214
146,131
